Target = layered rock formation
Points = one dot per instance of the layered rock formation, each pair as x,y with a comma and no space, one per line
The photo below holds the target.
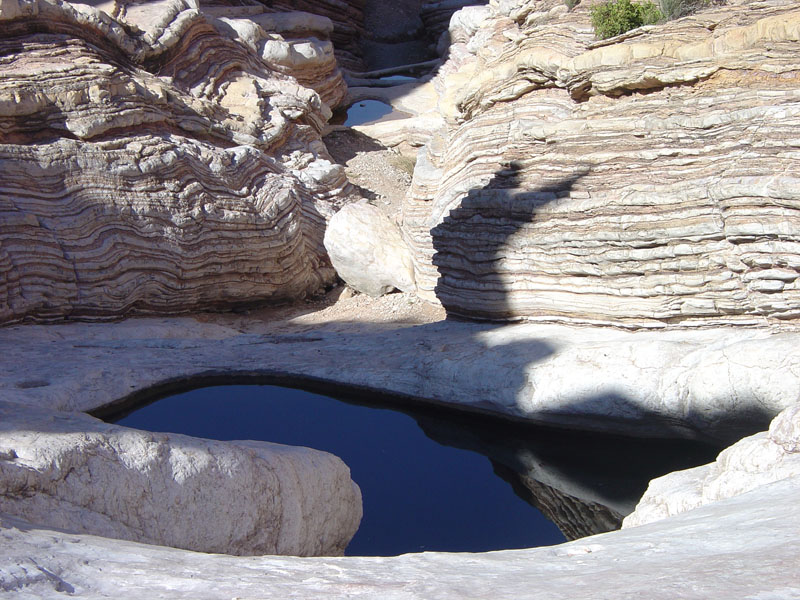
161,160
642,180
163,157
437,16
347,17
71,471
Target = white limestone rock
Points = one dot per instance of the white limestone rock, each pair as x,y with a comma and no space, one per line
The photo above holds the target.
752,462
368,251
71,471
717,384
744,547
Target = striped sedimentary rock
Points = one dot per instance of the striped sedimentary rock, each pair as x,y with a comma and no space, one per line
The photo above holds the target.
156,162
347,17
648,179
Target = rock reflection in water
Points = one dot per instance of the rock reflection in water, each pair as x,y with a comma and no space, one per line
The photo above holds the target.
585,483
417,498
417,494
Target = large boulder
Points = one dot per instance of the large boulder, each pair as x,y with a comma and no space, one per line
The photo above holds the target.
70,471
367,250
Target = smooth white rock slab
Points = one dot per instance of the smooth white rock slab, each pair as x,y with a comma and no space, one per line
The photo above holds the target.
721,383
70,470
744,548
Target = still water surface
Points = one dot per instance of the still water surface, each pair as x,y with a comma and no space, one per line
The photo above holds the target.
417,494
367,112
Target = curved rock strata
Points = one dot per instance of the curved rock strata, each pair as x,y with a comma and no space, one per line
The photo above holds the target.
347,17
160,161
71,471
644,180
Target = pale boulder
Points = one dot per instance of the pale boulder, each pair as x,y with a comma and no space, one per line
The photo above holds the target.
73,472
368,251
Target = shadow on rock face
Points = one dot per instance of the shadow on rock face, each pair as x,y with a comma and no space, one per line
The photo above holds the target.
471,243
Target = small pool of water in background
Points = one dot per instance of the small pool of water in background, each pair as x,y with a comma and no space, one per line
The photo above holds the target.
398,78
419,494
370,111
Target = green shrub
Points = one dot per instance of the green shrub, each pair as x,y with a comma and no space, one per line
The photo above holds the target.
618,16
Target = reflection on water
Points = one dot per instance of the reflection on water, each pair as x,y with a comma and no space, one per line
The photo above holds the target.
417,494
423,495
586,483
369,111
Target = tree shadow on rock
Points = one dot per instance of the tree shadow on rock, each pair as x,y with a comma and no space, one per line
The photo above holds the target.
471,243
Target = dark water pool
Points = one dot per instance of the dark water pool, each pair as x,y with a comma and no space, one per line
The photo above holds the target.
483,485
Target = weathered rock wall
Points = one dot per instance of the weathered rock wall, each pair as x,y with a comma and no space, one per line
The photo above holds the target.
347,17
163,160
644,180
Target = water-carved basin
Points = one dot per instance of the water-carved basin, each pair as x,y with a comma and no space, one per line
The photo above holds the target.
422,495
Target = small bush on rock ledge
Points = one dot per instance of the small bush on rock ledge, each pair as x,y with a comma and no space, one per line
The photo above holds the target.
675,9
618,16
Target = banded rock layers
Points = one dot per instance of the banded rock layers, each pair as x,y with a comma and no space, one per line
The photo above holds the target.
647,179
163,160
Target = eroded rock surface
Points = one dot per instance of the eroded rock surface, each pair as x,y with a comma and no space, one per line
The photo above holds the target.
714,384
752,462
645,179
71,471
162,160
697,555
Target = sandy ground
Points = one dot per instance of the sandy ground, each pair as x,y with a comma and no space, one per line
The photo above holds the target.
379,174
382,176
341,309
